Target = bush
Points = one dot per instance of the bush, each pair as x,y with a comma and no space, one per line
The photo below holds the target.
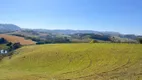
9,44
93,41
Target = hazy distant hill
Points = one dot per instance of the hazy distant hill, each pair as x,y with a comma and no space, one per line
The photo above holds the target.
71,32
67,31
9,27
44,33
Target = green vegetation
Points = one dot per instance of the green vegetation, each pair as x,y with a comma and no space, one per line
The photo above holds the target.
43,38
93,41
2,41
46,37
7,47
140,40
99,61
116,39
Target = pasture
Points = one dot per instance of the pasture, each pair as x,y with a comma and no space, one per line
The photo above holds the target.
15,39
98,61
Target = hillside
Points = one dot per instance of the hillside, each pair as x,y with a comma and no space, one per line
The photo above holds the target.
66,36
54,37
74,62
15,39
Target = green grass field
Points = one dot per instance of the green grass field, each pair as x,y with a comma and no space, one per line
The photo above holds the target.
98,61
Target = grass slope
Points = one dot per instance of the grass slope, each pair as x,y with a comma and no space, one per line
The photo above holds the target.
3,46
15,39
74,62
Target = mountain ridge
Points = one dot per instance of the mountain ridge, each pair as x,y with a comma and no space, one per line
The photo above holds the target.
9,27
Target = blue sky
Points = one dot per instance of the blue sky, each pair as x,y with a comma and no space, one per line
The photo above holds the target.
124,16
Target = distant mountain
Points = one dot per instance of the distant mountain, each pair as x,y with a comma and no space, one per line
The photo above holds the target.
65,31
76,31
9,27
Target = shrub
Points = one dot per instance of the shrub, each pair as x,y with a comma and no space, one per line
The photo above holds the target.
93,41
9,44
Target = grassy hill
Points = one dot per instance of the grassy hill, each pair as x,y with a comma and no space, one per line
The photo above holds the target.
99,61
15,39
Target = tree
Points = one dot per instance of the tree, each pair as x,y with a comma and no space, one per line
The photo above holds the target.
16,45
140,40
9,44
2,40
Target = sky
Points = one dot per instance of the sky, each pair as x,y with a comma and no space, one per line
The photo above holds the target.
124,16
